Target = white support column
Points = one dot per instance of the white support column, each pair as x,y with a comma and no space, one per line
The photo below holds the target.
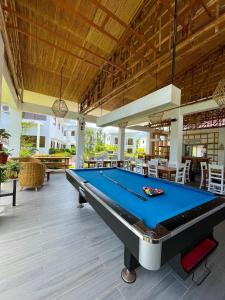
15,129
176,137
38,136
148,149
221,152
121,140
1,72
80,140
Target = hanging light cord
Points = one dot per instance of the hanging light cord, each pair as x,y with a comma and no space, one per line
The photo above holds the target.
174,40
60,92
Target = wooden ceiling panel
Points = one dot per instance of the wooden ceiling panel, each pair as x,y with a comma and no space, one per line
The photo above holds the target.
112,52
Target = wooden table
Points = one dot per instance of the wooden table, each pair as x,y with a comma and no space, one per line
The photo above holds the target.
162,170
54,161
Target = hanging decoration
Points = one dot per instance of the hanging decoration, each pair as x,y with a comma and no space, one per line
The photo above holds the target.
219,93
155,118
59,106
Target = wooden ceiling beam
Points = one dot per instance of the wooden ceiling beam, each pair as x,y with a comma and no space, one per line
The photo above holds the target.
51,32
205,8
167,5
135,33
70,9
57,47
9,54
122,88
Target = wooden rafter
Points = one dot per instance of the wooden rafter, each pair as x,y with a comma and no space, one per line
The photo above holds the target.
205,8
59,36
35,37
155,65
9,54
70,9
128,28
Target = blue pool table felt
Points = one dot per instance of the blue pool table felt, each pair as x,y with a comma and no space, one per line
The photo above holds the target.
177,198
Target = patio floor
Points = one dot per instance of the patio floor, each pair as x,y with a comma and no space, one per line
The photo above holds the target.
49,249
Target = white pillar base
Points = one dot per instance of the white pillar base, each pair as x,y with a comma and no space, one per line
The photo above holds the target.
80,140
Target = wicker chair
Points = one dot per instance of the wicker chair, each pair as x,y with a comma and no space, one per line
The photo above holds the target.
32,175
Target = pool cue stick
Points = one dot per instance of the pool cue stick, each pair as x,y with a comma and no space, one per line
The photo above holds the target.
124,187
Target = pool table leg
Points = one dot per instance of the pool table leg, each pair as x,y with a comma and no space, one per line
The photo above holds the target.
81,201
128,273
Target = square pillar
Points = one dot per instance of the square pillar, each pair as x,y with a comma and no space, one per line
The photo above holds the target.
221,146
149,137
121,140
80,141
176,138
15,129
1,72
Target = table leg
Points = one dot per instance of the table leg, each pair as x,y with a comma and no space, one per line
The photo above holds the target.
48,176
14,193
128,273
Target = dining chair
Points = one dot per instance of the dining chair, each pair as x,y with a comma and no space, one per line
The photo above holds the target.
114,163
216,179
180,173
99,163
204,167
163,162
139,166
153,167
187,170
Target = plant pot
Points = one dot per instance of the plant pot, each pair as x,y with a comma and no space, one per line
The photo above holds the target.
3,158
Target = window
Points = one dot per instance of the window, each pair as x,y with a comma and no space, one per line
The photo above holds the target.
72,133
42,141
116,141
54,121
31,116
65,133
130,142
32,140
129,150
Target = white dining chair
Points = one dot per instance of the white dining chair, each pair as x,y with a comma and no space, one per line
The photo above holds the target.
99,164
204,167
114,163
187,170
153,167
139,166
216,179
163,162
180,173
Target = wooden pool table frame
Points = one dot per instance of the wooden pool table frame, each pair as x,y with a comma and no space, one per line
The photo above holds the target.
151,248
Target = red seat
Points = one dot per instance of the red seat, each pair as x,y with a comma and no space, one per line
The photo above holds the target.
192,258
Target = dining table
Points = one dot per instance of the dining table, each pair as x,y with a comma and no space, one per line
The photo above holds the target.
163,171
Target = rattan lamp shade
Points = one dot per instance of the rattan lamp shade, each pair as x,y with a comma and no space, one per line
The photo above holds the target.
60,108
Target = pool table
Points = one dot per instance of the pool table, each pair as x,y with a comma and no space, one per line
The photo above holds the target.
154,230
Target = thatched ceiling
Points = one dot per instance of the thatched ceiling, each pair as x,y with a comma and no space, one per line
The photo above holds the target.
112,52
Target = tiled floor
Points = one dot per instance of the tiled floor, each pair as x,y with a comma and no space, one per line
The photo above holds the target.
49,249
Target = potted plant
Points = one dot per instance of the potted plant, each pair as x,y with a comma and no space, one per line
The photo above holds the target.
13,169
4,153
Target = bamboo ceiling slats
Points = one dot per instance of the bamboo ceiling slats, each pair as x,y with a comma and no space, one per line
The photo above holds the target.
113,52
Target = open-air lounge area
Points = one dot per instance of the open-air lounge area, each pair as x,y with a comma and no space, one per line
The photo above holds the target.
112,149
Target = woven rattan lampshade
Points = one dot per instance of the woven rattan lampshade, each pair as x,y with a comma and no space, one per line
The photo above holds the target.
155,118
59,106
219,93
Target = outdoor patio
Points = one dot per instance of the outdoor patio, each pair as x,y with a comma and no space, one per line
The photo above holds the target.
50,249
